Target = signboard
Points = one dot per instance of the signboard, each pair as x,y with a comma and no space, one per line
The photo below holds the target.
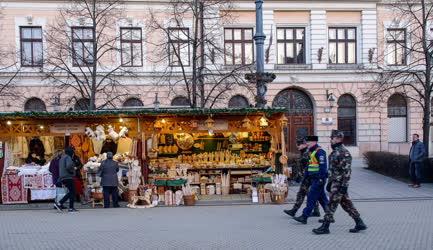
67,128
219,125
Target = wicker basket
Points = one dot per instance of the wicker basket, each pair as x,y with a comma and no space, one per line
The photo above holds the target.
189,200
131,194
279,198
97,196
225,190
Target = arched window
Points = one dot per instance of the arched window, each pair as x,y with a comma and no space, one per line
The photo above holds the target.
347,118
397,115
35,104
239,101
133,102
180,101
296,102
82,104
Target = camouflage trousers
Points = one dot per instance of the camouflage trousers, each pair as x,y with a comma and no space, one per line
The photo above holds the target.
338,198
302,193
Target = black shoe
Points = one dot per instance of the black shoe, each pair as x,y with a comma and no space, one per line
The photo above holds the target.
72,210
116,206
359,226
291,212
323,229
315,214
302,219
330,221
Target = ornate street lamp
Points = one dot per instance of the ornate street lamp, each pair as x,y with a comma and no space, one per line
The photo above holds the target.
260,78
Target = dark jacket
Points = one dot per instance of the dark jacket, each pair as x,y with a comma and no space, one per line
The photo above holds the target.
66,167
417,151
54,168
108,173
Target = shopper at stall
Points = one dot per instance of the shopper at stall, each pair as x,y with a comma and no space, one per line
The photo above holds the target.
317,171
66,174
340,162
306,181
109,180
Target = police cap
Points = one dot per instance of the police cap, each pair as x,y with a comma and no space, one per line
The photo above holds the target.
312,138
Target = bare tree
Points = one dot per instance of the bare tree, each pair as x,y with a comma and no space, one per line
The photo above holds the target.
9,68
82,51
408,58
190,46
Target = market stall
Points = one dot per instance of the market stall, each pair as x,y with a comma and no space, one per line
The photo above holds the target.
164,154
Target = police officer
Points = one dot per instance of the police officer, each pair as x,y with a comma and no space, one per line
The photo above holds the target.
317,172
340,162
302,163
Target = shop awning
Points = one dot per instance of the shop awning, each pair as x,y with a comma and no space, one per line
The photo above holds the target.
137,113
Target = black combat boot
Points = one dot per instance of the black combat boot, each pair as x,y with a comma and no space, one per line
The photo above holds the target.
359,225
330,221
301,219
323,229
291,212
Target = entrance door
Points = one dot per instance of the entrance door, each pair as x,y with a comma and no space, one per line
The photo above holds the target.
299,113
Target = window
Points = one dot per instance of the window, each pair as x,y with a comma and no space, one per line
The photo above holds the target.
31,46
342,45
178,46
238,101
180,101
82,104
131,47
133,102
35,104
82,46
396,47
238,46
291,45
347,118
397,115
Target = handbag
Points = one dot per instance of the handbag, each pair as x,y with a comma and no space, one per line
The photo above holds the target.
60,193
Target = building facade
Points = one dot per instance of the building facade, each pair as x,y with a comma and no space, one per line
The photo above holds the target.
320,51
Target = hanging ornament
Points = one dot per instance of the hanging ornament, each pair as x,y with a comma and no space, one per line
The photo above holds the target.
263,122
246,123
210,123
284,121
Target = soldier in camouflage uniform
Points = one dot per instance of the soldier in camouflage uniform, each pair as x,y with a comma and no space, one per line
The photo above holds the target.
340,162
305,183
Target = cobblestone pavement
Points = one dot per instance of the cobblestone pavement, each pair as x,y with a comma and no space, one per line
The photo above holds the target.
392,225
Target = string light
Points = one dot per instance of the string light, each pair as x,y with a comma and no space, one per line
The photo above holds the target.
9,123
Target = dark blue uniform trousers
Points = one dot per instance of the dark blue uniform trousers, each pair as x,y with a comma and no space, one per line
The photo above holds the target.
317,193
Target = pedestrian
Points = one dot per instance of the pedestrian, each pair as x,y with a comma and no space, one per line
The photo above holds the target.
317,172
340,162
66,174
302,146
416,157
109,180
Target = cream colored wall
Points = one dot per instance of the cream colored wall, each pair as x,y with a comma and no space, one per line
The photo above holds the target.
342,17
291,17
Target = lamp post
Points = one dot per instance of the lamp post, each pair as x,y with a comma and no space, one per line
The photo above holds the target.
260,78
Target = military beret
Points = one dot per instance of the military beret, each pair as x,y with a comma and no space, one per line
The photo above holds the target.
337,133
312,138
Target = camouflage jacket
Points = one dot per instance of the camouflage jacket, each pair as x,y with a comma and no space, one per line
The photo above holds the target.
302,162
340,162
